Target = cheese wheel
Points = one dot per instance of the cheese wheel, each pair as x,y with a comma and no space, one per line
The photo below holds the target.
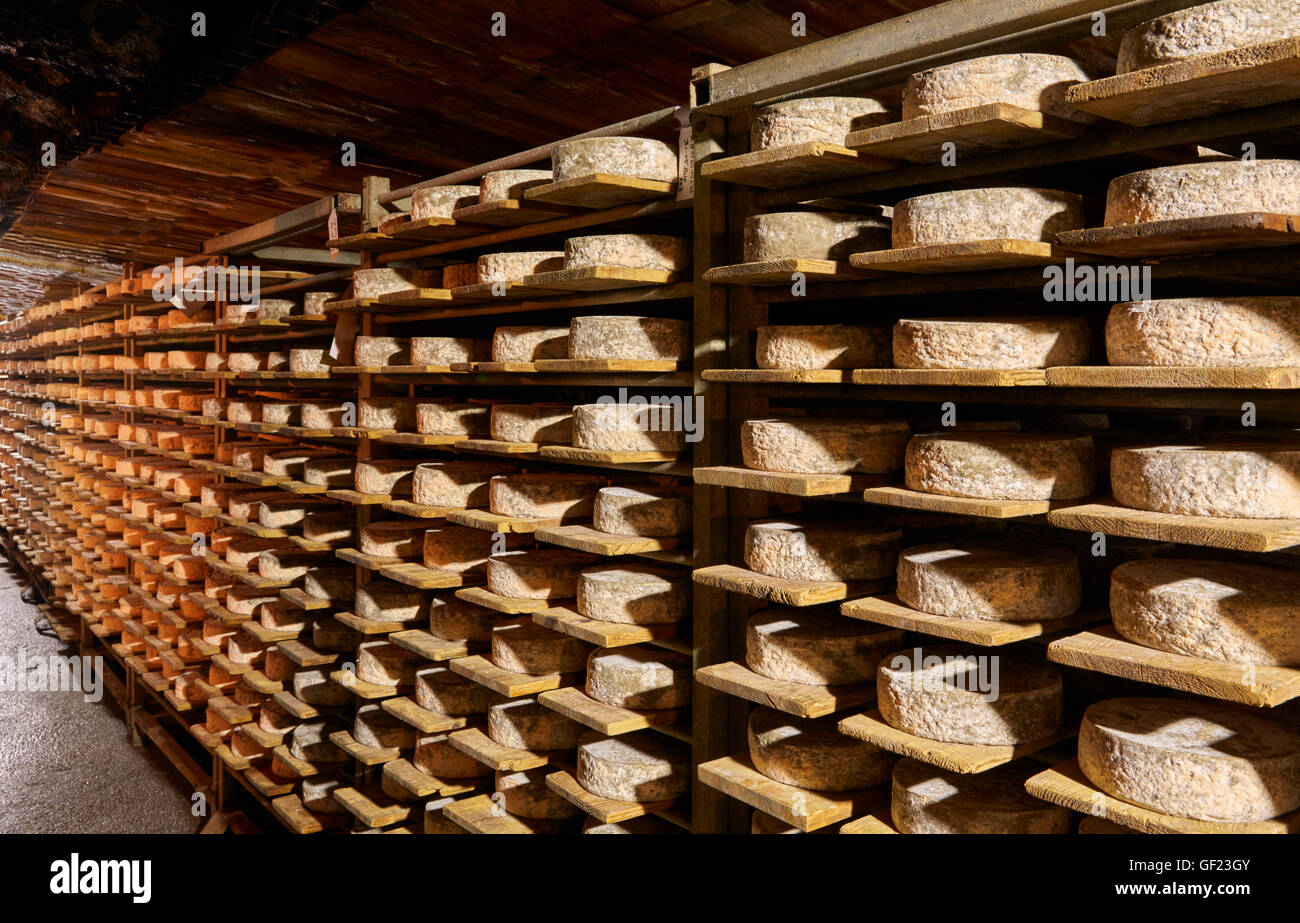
248,362
639,427
387,664
639,677
215,407
457,274
986,580
453,619
811,753
443,692
279,513
244,550
460,549
1206,29
436,756
330,471
1237,480
520,645
375,727
316,415
627,337
513,267
387,413
285,565
394,538
961,694
1030,81
959,215
215,362
290,462
819,118
391,476
455,485
632,251
435,823
642,766
386,601
306,359
377,351
526,794
816,647
526,724
526,344
812,550
634,158
280,616
441,201
311,740
271,308
822,346
1214,332
246,600
1197,190
333,583
990,343
925,799
538,423
441,419
1192,758
813,235
185,359
446,350
329,525
652,512
1220,610
1001,465
824,445
633,594
317,794
543,573
371,283
244,412
544,495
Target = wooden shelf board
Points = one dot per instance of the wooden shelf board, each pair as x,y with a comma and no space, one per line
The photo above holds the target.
499,291
406,229
290,810
798,807
299,599
424,578
955,757
602,634
877,823
304,655
510,213
402,775
966,256
777,376
605,457
496,447
779,590
495,522
426,722
608,719
599,190
782,272
964,506
357,498
474,742
888,610
481,596
606,810
597,366
349,681
602,279
417,298
1119,376
584,538
371,241
794,165
419,439
1186,235
419,511
960,378
366,626
481,814
430,646
804,701
977,130
1107,516
512,685
370,756
778,482
371,807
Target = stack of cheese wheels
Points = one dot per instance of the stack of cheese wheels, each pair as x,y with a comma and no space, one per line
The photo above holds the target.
824,445
372,351
441,201
456,484
1227,611
821,346
513,267
544,495
454,619
1001,465
961,694
1215,332
633,594
925,799
1030,81
995,581
532,423
813,235
816,647
442,419
990,343
820,550
524,793
444,692
441,352
1010,212
651,511
1206,29
371,283
632,158
500,185
811,753
520,645
627,251
629,337
643,766
384,663
526,724
387,601
1192,758
541,573
632,427
639,677
526,344
1247,480
461,549
1198,190
821,118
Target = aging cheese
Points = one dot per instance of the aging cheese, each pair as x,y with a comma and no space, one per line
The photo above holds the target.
959,215
375,727
378,351
824,445
639,677
987,580
632,251
645,825
436,756
544,495
387,664
635,158
1246,480
633,594
330,471
1214,332
386,601
322,415
318,794
441,201
526,344
1192,758
1197,190
440,419
512,267
822,346
461,549
926,799
811,753
611,427
526,724
387,413
333,583
814,550
543,573
311,740
394,538
820,118
526,794
642,766
1206,29
1001,465
538,423
520,645
816,647
391,476
1030,81
453,619
371,283
813,235
444,692
290,462
627,337
990,343
458,274
305,359
446,350
651,511
510,184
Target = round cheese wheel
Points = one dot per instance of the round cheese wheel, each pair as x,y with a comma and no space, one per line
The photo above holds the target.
376,351
453,619
544,573
315,687
813,550
461,549
1216,332
819,118
513,267
371,283
1192,758
824,445
310,740
1237,480
960,215
813,235
822,346
1030,81
374,727
510,184
811,753
633,594
456,485
329,470
816,647
444,692
526,794
436,823
316,415
440,419
525,344
642,766
961,694
926,799
386,664
1221,610
526,724
436,756
538,423
394,538
544,495
318,794
1197,190
654,512
1001,465
308,359
1206,29
333,583
635,158
613,427
639,677
629,337
633,251
522,646
990,580
990,343
446,350
441,201
396,413
386,601
391,476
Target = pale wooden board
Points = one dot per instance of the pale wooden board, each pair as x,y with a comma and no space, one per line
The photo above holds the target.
297,818
361,559
299,599
369,240
377,626
1240,78
599,190
606,810
481,814
776,376
962,378
602,278
605,457
584,538
793,165
509,213
1067,786
602,634
371,807
426,722
966,256
805,701
608,719
421,577
304,655
400,774
417,510
781,272
777,482
607,365
874,824
359,687
481,596
888,610
486,673
497,291
430,646
1104,650
1186,235
473,742
1107,516
777,589
977,130
802,808
964,758
416,298
370,756
406,228
418,439
496,447
966,506
495,522
494,367
357,498
1121,376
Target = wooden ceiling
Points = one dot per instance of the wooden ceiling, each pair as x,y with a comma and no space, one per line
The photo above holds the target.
420,86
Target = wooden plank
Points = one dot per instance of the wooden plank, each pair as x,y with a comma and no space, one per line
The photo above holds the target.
371,807
286,226
421,577
426,722
966,256
377,626
877,823
804,701
416,510
584,538
418,439
960,378
779,482
481,814
779,590
290,810
964,506
798,807
481,596
606,365
794,165
495,522
602,634
401,775
417,298
370,756
486,673
1067,786
1103,650
965,758
1131,376
1186,235
783,272
473,742
496,447
976,130
1107,516
509,213
359,687
605,457
430,646
405,229
602,278
607,810
777,376
889,610
608,719
599,190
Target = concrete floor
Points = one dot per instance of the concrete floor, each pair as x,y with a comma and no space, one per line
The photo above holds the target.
65,763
